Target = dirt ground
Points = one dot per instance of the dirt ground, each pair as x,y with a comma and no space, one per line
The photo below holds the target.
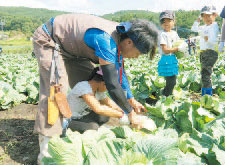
18,143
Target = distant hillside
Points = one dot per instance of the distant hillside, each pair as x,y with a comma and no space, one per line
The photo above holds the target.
184,19
28,12
127,14
26,20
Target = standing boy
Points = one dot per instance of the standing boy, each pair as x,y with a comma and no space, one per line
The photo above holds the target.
208,40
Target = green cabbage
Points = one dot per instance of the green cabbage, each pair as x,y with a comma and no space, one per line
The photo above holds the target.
195,86
127,147
179,54
207,102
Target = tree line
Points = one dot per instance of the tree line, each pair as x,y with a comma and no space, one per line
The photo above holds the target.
26,20
184,19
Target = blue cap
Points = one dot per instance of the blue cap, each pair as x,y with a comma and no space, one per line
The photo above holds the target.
123,27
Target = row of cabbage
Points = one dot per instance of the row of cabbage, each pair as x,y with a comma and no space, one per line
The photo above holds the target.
124,146
19,81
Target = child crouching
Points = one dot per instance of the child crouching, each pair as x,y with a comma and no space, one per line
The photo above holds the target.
89,104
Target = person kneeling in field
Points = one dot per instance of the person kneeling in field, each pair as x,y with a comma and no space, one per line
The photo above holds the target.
89,104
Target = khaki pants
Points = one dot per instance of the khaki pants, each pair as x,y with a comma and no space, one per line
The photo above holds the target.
73,70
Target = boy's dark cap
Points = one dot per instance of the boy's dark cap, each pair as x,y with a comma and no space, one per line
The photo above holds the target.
208,10
167,14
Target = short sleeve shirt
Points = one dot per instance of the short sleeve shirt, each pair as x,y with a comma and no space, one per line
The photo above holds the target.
77,104
167,38
104,45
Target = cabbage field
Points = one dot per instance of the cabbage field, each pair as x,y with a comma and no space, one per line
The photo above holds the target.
190,128
19,81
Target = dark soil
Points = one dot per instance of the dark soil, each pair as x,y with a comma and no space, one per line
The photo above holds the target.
18,143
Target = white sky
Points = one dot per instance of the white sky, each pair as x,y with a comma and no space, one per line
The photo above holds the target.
100,7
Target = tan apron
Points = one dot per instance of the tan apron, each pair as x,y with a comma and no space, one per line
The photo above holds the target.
76,59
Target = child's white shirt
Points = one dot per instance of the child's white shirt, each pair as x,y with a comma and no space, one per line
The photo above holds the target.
167,38
77,104
207,30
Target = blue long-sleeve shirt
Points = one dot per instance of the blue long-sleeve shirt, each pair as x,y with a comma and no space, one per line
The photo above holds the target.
105,47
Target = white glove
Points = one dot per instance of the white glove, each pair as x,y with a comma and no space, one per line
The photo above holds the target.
221,46
183,47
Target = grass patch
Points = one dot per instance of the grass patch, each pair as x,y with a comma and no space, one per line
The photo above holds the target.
16,46
16,42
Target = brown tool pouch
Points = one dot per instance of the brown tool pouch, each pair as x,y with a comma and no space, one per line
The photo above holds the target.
62,103
57,102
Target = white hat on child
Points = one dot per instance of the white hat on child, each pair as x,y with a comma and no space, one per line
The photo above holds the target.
208,10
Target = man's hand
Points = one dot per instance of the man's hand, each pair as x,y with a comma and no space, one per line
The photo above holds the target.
138,107
206,38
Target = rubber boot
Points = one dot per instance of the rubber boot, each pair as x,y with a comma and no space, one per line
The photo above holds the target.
207,91
43,144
